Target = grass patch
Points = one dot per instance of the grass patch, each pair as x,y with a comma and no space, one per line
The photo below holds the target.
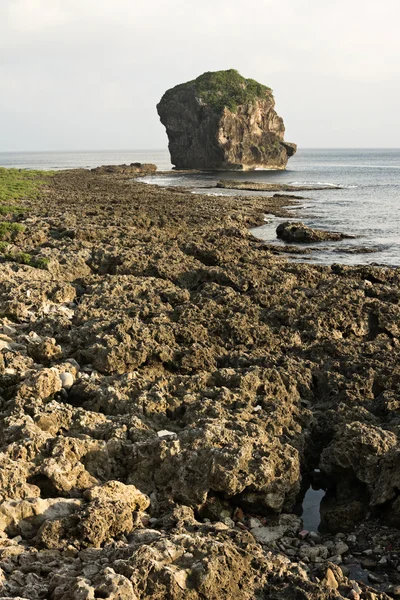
16,184
223,89
8,209
40,263
23,258
9,231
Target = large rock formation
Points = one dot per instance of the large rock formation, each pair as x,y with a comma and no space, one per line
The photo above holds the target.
223,121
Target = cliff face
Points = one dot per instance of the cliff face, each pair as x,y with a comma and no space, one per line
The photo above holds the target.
223,121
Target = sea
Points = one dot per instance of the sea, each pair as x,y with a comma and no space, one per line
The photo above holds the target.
362,199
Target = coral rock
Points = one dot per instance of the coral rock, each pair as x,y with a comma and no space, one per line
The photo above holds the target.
223,121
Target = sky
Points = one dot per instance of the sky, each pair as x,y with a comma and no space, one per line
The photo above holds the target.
87,74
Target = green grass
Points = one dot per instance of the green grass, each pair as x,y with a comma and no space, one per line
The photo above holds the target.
40,263
8,209
22,258
19,185
222,89
9,231
16,185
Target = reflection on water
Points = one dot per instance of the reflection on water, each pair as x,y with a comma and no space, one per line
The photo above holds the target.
311,505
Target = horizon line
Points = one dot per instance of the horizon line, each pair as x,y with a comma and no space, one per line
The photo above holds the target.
166,149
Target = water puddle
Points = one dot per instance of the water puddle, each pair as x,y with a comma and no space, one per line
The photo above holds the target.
311,509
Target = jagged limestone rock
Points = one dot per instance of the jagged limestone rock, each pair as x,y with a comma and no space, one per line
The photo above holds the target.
222,121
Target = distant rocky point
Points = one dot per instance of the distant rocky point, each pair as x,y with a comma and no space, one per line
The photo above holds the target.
256,186
222,121
126,169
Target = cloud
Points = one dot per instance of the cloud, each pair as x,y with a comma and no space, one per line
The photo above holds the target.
101,67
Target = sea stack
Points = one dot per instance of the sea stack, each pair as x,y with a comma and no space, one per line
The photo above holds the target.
222,121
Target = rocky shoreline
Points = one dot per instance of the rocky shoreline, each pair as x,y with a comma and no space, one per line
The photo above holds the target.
169,387
256,186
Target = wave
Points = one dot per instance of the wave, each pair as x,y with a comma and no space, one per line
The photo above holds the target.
341,165
207,193
323,183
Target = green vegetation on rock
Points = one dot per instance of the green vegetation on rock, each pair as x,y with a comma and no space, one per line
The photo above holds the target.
16,184
223,89
8,209
8,231
40,263
22,258
20,185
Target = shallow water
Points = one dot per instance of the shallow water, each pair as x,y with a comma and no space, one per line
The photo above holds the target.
311,509
367,207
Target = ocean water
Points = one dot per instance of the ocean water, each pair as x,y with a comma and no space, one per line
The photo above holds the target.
85,160
367,206
363,201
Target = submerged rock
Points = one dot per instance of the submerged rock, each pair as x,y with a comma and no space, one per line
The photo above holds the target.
258,186
301,233
223,121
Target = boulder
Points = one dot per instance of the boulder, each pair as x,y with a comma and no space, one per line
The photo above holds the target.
363,461
117,491
102,520
233,459
222,121
303,234
106,584
41,384
24,517
368,454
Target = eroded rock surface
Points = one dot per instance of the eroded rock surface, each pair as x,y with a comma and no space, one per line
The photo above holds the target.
222,121
167,386
297,232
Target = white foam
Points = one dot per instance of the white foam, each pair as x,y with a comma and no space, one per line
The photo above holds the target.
322,183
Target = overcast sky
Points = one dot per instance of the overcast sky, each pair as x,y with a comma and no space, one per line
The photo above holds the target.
87,74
